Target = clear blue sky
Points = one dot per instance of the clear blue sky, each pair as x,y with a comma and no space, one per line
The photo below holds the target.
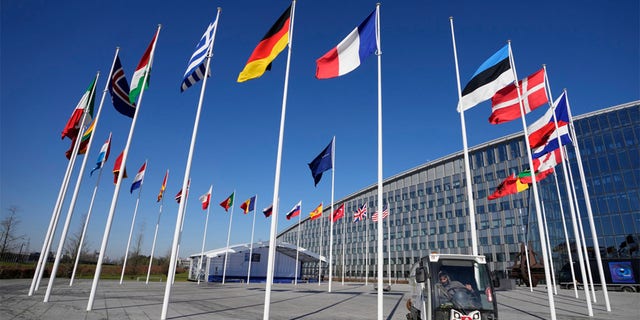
50,51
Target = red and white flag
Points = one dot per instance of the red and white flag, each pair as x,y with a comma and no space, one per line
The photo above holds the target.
206,198
339,213
385,213
505,105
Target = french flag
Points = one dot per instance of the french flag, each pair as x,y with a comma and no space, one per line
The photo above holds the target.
137,182
349,53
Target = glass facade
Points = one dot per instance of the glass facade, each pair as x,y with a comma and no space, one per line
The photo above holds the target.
428,208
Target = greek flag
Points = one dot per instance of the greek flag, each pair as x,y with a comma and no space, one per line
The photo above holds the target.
196,68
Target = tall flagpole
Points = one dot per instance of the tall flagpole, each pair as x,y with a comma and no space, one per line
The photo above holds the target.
204,235
344,238
226,253
548,248
133,221
543,242
388,246
566,234
380,200
467,167
67,222
114,199
295,279
187,173
86,221
184,214
276,183
321,249
155,236
526,250
587,200
253,226
333,175
366,252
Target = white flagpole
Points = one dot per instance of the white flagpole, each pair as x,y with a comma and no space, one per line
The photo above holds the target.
133,221
333,174
366,252
546,227
380,200
86,221
388,246
467,167
204,234
526,251
276,183
543,244
564,157
344,238
155,236
187,173
74,197
295,279
253,226
587,200
184,197
321,250
226,253
114,199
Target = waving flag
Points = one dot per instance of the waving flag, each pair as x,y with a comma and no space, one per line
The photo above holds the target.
116,168
322,163
385,213
510,185
350,52
339,213
361,213
492,75
316,213
206,198
197,68
163,187
144,66
267,211
178,196
268,49
84,142
505,105
525,176
544,127
103,155
137,181
72,128
294,211
119,90
228,202
248,205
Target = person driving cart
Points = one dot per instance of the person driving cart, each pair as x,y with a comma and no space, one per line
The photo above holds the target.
452,291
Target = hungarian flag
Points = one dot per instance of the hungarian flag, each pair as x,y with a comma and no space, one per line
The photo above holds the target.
267,211
505,105
339,213
116,168
144,66
248,205
294,211
510,185
206,198
163,187
72,128
316,213
84,142
268,49
228,202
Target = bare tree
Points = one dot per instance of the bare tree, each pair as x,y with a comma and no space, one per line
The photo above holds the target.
8,226
136,259
72,246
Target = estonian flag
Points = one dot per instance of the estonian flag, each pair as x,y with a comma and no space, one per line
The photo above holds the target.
493,75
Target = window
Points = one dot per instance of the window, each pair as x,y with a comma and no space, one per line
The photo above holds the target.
452,228
442,230
422,218
462,227
420,192
458,212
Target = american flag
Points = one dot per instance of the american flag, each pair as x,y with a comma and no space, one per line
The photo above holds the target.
361,214
385,213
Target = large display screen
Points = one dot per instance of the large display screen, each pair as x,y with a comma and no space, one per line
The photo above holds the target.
621,272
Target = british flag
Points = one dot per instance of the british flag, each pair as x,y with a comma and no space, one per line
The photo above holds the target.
361,214
385,213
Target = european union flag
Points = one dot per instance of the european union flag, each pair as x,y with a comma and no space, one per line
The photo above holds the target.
322,163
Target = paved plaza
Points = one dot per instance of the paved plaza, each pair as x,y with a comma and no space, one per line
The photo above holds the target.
135,300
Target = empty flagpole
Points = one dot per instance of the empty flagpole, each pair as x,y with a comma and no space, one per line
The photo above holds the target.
133,221
253,226
526,250
187,173
388,246
548,248
74,197
380,201
114,199
295,279
321,248
366,252
566,234
155,236
204,233
184,213
344,238
226,253
333,175
467,167
276,183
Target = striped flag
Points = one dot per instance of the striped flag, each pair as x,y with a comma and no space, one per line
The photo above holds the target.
116,168
84,141
385,213
163,187
267,211
248,205
316,213
294,211
119,90
196,68
137,181
103,155
206,198
144,66
72,128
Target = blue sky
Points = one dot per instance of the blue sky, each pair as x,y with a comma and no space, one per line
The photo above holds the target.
50,51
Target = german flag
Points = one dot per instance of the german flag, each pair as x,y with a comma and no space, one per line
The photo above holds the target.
268,49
